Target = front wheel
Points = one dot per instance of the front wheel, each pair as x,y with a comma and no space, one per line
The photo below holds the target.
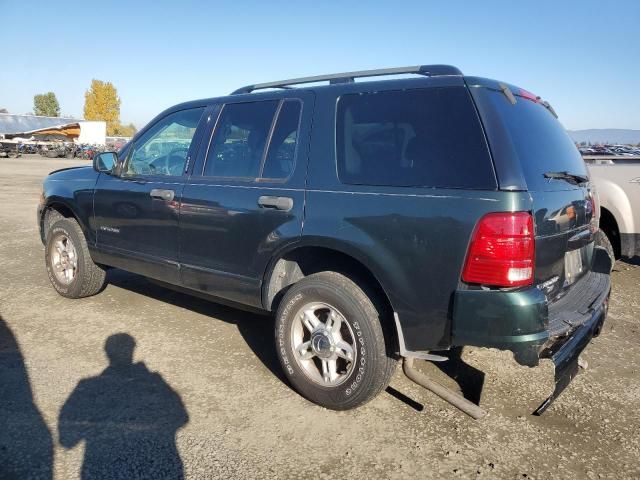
69,265
331,343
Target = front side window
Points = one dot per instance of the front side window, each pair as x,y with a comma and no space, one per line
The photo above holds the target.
162,150
428,137
255,140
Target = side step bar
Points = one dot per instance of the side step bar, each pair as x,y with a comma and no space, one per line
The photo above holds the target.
470,408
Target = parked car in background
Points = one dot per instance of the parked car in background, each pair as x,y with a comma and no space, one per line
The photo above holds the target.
375,220
618,185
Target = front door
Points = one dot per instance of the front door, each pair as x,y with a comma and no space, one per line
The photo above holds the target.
136,209
245,198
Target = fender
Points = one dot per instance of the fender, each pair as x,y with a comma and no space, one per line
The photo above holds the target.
72,189
615,199
83,221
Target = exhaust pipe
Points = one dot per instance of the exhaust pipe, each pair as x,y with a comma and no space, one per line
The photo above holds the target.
470,408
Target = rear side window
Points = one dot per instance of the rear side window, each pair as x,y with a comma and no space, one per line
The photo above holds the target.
539,140
255,140
423,137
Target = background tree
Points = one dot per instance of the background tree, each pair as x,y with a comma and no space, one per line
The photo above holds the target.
46,104
125,130
4,110
101,102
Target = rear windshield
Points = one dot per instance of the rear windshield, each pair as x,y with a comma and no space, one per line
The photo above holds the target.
539,139
423,137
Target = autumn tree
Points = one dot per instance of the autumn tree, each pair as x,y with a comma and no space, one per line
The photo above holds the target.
46,104
125,130
101,102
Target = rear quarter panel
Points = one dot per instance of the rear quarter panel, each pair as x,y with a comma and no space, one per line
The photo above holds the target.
415,244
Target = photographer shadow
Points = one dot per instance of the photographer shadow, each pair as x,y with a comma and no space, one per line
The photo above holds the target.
128,417
26,446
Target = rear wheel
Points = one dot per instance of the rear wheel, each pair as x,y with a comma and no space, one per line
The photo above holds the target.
602,240
69,265
331,343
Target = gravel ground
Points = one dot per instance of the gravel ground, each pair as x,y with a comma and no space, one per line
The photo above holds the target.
205,396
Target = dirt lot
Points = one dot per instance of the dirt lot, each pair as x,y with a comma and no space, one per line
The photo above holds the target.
218,407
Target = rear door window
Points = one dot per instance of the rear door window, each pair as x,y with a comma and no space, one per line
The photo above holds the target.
423,137
255,140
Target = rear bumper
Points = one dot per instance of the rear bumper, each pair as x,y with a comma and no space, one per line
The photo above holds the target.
524,323
565,352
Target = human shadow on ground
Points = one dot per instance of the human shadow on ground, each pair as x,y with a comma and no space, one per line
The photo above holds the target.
26,447
128,417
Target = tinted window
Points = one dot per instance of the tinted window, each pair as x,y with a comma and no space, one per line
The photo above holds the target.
540,141
282,147
240,139
424,137
162,150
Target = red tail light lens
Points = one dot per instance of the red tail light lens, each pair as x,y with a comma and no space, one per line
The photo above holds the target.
529,96
502,251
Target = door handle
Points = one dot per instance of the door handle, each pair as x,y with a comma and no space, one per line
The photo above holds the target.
278,203
166,195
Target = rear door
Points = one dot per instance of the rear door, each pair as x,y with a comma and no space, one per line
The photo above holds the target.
533,152
245,198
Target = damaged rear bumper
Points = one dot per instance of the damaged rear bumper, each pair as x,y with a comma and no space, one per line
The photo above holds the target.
565,352
523,322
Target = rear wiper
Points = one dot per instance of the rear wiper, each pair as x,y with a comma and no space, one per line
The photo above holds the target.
572,178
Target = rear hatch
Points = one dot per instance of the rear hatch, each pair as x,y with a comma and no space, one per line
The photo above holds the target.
533,152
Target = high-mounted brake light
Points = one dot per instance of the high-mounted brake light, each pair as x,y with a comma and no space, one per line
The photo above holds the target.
502,251
528,95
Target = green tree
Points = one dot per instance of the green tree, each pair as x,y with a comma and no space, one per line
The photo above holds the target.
101,102
46,104
125,130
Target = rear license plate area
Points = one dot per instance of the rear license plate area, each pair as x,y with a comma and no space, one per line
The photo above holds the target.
573,268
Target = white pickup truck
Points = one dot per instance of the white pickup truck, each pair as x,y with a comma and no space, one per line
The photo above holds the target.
617,181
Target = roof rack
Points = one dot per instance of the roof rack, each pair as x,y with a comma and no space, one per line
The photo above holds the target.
349,77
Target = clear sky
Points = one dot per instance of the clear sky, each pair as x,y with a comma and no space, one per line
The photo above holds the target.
582,56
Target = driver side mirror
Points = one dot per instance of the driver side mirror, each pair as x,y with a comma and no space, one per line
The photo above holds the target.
105,162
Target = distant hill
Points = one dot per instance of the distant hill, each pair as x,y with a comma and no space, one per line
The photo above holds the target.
606,135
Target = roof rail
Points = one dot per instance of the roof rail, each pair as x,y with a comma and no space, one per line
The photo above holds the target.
349,77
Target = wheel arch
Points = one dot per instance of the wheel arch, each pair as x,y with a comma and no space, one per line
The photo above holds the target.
609,225
302,259
64,208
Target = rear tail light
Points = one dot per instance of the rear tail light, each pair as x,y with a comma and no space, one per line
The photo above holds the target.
502,251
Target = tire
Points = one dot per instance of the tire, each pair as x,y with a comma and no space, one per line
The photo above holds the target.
66,247
602,240
350,383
